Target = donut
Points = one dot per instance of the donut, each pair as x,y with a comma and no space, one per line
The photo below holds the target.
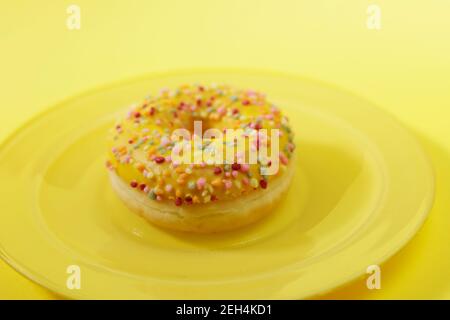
231,169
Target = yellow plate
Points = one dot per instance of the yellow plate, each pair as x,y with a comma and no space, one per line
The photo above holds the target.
362,189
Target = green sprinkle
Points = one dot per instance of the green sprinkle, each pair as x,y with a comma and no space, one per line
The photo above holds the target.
152,195
191,185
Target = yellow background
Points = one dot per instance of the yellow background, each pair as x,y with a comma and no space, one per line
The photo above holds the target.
404,68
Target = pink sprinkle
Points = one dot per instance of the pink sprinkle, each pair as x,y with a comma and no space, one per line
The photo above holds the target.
227,174
274,110
245,181
222,111
201,183
284,160
234,173
164,141
228,184
245,167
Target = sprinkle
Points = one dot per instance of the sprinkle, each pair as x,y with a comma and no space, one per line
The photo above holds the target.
179,170
228,184
222,111
152,195
263,183
217,170
188,199
140,167
168,188
133,184
191,185
284,160
164,141
109,165
216,182
236,166
245,168
246,102
148,174
254,183
142,186
159,159
201,183
178,201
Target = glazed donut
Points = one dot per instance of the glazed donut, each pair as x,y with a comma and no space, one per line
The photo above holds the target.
202,183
